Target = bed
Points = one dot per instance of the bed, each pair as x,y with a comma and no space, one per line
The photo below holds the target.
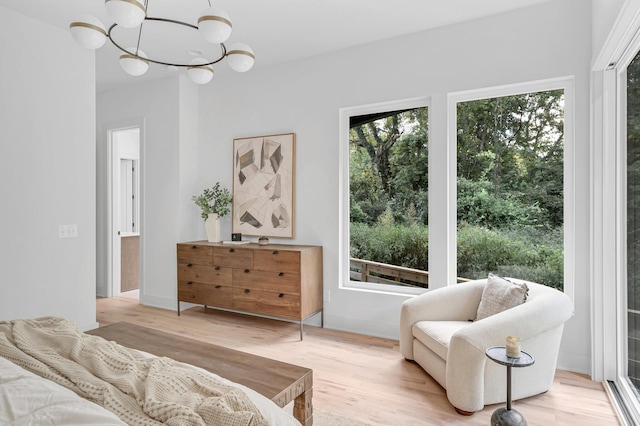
45,364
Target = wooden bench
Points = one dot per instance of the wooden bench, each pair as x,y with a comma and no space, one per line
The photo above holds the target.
278,381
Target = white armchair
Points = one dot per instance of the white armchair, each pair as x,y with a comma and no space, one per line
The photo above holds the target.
436,332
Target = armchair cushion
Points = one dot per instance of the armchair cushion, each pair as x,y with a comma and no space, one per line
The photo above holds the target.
436,335
499,295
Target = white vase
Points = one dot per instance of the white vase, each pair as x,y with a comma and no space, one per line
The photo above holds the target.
212,226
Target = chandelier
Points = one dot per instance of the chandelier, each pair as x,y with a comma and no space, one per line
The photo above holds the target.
214,26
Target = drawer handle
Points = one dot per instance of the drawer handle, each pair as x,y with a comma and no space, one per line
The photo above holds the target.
189,282
281,274
194,247
246,290
218,286
232,250
281,295
189,265
217,268
246,271
275,252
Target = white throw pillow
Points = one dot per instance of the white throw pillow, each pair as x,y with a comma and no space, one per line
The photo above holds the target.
499,295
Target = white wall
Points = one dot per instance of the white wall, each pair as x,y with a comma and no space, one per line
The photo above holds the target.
155,104
191,182
546,41
47,172
604,15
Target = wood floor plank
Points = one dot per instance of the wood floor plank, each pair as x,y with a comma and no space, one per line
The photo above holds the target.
362,377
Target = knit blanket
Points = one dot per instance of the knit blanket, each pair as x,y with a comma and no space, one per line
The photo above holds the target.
138,389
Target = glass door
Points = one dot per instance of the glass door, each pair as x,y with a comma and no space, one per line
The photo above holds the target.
632,138
626,386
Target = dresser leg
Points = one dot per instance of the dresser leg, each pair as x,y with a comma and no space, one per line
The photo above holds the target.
178,308
301,330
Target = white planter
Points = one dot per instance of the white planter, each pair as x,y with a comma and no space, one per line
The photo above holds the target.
212,226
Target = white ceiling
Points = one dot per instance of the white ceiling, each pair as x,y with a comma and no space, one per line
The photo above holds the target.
277,30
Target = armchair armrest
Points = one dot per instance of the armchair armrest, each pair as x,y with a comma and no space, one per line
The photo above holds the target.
454,303
466,359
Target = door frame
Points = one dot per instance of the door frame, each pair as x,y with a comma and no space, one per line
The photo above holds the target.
113,249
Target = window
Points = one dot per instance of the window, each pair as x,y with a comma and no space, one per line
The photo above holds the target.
495,164
510,192
388,197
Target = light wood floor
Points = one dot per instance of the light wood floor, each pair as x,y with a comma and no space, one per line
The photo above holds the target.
361,377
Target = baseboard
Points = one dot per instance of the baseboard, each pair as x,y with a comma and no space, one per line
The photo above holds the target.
574,362
91,326
364,327
158,302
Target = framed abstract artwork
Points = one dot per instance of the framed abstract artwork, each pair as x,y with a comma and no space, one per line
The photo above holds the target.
264,185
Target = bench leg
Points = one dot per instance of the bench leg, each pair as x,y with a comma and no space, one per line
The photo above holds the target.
303,409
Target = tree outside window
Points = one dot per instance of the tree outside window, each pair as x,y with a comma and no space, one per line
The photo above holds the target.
510,154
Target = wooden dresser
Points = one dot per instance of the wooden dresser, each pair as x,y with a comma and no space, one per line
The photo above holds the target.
279,280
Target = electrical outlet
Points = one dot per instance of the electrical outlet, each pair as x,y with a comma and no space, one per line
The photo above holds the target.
327,296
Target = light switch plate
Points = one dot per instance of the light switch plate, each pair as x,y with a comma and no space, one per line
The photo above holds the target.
68,231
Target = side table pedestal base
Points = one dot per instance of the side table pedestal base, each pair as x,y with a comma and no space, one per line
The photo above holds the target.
505,417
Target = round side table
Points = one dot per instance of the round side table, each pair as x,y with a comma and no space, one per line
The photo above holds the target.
507,416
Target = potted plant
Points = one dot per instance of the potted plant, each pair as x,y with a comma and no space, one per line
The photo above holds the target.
214,203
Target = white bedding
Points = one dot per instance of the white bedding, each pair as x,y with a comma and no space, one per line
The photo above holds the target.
27,399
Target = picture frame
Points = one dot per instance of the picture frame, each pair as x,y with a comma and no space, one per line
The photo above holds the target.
264,186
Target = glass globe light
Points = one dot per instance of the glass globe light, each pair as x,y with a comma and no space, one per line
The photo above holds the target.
133,65
126,13
88,32
199,73
215,25
240,57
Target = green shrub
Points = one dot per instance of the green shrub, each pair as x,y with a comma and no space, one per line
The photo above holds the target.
478,205
510,253
357,214
392,244
527,253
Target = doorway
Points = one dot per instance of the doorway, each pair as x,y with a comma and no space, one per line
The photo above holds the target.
124,212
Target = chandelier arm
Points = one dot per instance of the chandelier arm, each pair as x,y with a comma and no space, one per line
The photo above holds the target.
171,21
139,36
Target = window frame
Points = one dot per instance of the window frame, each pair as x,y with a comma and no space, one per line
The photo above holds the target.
344,240
567,85
447,119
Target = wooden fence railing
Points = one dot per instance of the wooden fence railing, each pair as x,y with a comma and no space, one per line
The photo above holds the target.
383,273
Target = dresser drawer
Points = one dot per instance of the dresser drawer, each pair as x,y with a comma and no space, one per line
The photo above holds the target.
267,303
205,294
233,257
191,253
274,282
204,274
277,260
